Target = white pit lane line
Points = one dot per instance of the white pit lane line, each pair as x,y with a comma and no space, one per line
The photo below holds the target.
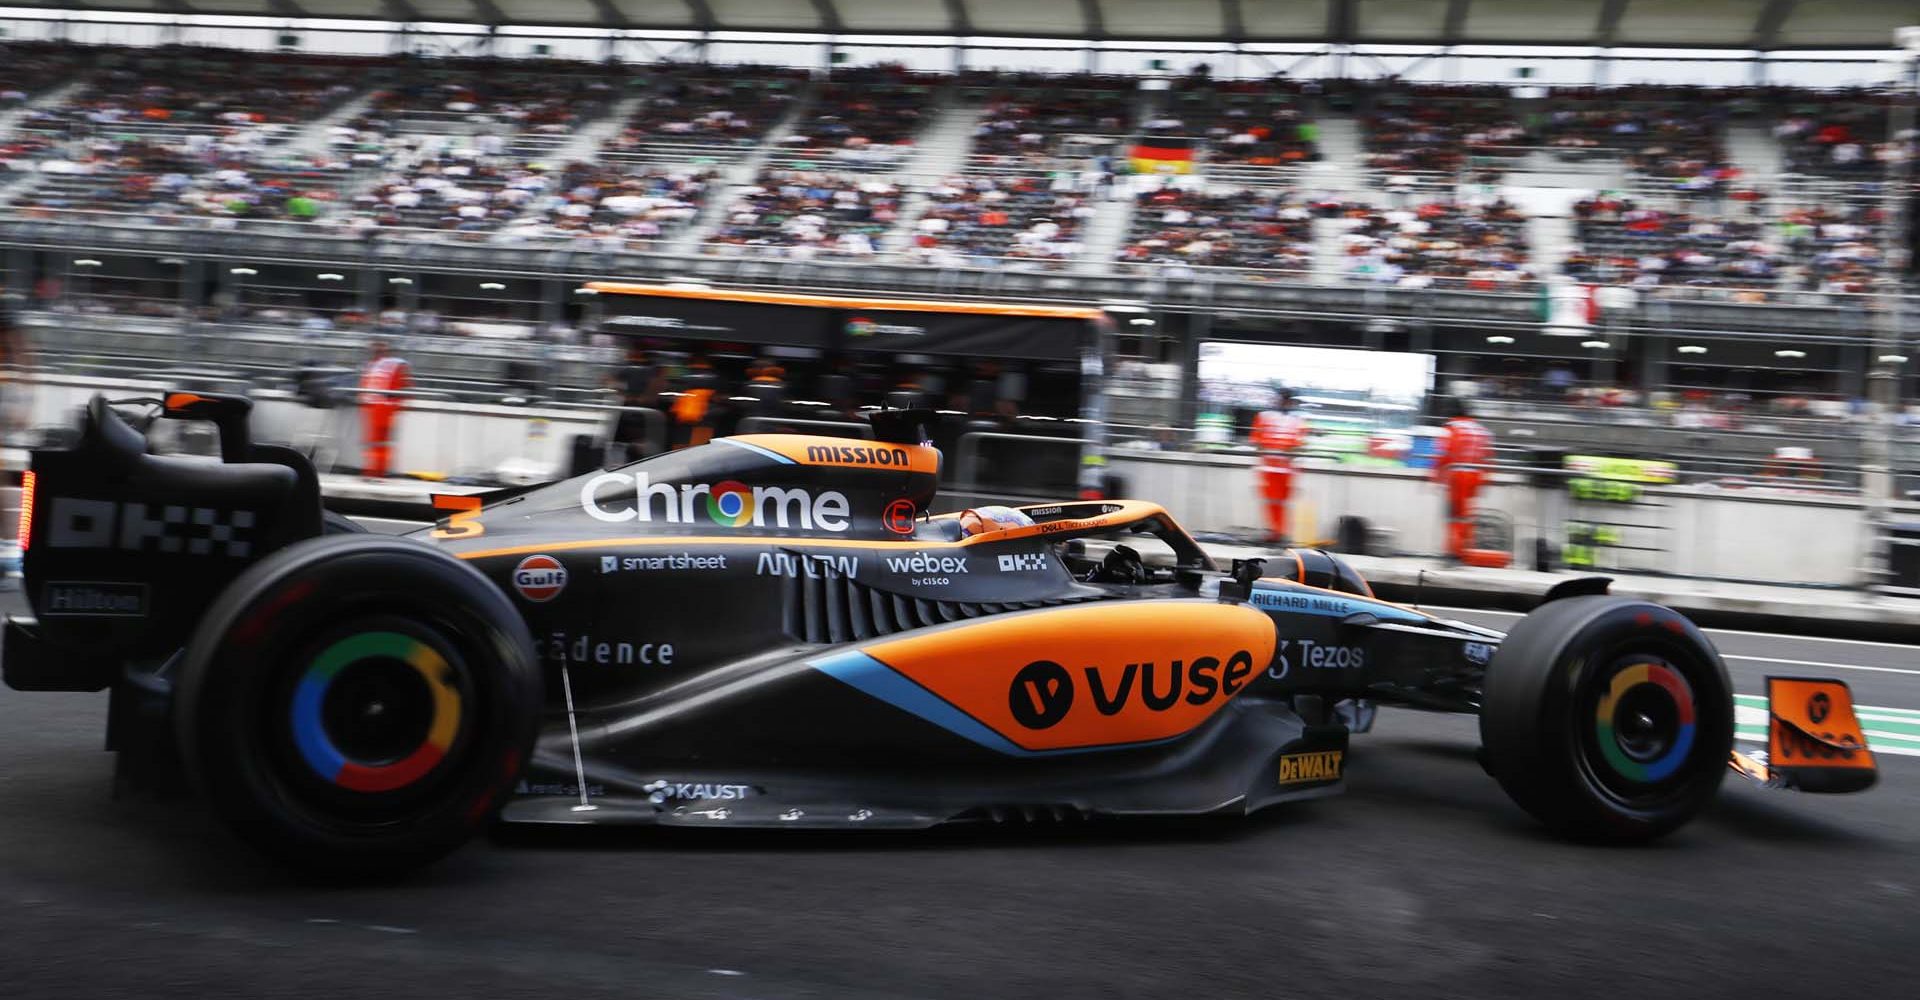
1711,631
1750,725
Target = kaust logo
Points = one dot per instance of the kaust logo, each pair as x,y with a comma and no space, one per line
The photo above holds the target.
1044,692
730,504
659,792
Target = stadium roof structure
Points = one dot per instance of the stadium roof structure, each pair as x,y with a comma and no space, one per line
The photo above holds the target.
1703,24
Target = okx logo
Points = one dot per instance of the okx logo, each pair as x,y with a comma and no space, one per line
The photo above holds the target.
1042,694
1023,562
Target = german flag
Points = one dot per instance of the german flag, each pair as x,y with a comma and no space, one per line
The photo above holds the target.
1162,155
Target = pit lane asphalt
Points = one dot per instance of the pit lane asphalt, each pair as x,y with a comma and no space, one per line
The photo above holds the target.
1421,881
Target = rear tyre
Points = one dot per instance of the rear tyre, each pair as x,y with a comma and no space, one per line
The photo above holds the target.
1607,718
358,704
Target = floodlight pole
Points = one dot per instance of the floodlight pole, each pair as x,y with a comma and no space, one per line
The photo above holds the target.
1883,375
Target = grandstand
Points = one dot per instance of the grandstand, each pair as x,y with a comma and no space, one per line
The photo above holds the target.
1314,195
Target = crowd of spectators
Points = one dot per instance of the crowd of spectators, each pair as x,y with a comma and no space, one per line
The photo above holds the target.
1838,139
1024,117
800,213
622,205
1660,133
1837,246
1813,248
732,108
1480,244
516,96
867,118
204,87
1439,128
1031,219
1254,122
29,68
1620,241
1184,223
439,187
158,180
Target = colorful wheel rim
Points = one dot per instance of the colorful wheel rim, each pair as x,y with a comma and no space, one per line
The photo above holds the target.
730,504
1624,684
310,731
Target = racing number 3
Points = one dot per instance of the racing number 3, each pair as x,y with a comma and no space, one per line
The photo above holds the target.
463,518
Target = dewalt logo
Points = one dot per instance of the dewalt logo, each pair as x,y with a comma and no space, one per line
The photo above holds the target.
1306,768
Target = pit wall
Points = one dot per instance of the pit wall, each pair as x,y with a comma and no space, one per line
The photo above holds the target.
1701,531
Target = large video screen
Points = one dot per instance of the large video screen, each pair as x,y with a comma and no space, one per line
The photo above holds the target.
1250,377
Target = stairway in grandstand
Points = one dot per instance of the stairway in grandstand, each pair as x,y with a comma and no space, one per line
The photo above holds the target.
736,175
47,99
1341,155
1104,232
1551,237
312,138
585,144
941,152
942,149
1752,148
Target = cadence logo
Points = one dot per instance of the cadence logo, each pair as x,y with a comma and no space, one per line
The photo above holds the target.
729,504
540,578
1043,692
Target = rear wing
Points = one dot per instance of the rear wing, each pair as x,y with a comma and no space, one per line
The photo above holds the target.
1815,742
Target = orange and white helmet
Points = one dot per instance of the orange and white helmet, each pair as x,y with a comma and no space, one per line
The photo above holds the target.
995,517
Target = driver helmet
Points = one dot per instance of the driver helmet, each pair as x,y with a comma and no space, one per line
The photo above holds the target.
996,517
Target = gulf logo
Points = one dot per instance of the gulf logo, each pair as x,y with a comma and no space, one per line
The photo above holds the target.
730,504
540,578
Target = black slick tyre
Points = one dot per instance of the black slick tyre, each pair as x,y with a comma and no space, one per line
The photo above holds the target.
358,704
1607,718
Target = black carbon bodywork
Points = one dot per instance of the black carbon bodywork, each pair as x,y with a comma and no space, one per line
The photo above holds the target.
770,630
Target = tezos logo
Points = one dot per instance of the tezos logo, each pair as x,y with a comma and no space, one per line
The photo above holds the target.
730,504
540,578
1043,692
1023,562
1478,652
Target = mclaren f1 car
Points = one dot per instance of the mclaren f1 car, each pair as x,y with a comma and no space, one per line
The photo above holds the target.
773,631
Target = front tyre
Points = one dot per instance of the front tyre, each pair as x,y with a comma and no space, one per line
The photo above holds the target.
1607,718
358,704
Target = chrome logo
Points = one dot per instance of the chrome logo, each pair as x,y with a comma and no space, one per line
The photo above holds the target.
540,578
317,748
1676,690
730,504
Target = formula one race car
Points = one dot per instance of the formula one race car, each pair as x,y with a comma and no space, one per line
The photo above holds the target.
771,630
